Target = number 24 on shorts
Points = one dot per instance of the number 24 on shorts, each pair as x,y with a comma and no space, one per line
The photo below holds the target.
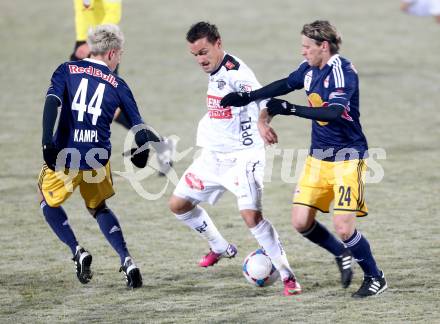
344,196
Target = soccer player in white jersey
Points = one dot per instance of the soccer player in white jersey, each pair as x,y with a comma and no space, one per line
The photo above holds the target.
232,158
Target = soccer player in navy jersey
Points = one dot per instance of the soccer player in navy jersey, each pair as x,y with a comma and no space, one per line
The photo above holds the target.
89,14
83,96
336,165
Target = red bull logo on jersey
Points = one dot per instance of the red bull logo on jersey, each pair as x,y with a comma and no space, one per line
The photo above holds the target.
216,111
75,69
315,100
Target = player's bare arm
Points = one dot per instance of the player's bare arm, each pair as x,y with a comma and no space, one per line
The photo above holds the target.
266,131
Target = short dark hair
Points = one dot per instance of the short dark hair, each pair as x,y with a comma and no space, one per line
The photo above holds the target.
322,30
203,29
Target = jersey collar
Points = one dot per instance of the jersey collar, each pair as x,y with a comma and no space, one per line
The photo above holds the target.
221,64
332,59
95,61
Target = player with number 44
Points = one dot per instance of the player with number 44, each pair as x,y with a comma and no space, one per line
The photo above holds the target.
77,154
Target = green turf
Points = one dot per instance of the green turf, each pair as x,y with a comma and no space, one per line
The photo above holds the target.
397,57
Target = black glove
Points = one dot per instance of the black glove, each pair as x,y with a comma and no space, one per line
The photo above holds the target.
50,154
236,99
279,107
139,159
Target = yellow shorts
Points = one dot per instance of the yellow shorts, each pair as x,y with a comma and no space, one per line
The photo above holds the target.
94,185
321,182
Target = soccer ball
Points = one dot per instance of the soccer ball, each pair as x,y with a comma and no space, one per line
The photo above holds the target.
259,270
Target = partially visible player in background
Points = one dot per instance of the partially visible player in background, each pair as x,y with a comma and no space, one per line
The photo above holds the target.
422,8
83,96
89,14
233,158
336,165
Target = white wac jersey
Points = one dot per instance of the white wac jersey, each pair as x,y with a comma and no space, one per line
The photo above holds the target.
228,129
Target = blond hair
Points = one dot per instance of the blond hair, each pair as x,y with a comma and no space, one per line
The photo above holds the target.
104,38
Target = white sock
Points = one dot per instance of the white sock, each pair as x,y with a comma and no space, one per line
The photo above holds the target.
199,220
267,237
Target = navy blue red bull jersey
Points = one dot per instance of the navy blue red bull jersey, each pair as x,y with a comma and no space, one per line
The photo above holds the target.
89,93
337,83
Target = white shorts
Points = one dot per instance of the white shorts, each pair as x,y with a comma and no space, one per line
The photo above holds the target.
210,175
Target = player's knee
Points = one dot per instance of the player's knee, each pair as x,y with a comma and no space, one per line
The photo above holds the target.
302,218
344,230
299,224
344,234
344,225
95,211
251,217
179,205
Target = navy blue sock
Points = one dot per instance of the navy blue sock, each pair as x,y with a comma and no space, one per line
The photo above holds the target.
360,248
109,225
318,234
57,219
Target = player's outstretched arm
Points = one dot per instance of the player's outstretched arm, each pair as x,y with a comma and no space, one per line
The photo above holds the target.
274,89
283,107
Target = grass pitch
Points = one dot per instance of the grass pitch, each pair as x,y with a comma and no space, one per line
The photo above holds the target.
397,59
